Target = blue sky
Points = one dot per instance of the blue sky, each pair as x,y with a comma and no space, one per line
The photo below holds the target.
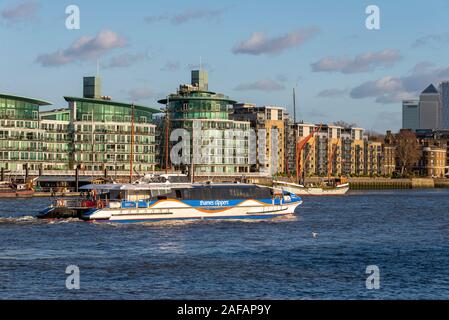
255,51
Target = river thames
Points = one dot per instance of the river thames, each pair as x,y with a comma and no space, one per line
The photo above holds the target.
321,253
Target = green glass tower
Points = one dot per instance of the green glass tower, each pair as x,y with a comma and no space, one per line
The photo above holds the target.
210,111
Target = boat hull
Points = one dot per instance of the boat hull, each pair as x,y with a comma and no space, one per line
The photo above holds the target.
315,191
16,194
176,210
62,213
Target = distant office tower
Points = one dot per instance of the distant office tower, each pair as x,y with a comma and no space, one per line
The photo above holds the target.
92,87
444,105
410,114
429,108
200,79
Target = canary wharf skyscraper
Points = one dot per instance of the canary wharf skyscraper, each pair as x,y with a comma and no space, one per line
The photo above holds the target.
429,108
444,105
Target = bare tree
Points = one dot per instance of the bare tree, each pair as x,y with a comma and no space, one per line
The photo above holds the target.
407,150
344,124
374,135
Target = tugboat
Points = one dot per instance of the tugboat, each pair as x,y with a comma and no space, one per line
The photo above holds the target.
11,190
332,187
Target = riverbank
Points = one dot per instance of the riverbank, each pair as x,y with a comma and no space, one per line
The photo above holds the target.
356,184
56,194
363,183
386,183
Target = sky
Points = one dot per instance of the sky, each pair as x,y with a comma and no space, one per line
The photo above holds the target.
254,51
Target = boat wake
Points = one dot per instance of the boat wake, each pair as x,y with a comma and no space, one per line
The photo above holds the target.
14,220
26,220
185,223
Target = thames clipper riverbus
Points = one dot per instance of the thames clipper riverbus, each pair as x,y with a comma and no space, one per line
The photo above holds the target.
189,202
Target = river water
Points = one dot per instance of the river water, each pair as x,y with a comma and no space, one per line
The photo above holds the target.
404,233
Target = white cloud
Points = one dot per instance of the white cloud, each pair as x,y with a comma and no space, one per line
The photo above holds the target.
332,93
259,43
365,62
261,85
391,89
187,16
84,48
25,11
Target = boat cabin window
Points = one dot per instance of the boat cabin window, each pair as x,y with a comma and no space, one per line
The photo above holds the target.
222,193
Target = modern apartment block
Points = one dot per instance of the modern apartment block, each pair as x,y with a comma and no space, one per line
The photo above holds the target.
308,155
333,150
56,138
218,145
102,132
21,143
290,145
389,155
373,158
269,123
93,133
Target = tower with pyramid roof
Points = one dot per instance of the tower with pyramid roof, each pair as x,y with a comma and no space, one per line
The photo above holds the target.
429,108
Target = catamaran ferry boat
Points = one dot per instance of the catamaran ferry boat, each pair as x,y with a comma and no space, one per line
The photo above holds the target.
193,202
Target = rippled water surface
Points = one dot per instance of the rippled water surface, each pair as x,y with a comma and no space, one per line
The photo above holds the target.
405,233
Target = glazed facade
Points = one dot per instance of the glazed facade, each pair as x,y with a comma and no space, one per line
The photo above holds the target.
92,134
100,133
21,142
217,144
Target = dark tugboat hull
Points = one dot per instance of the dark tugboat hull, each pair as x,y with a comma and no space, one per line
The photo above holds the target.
17,194
61,213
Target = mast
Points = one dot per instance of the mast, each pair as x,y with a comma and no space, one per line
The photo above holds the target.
167,123
92,138
192,163
132,145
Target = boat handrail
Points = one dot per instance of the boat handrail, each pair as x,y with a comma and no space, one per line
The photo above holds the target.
80,203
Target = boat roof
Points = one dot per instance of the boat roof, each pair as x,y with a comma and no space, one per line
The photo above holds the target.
132,187
152,186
